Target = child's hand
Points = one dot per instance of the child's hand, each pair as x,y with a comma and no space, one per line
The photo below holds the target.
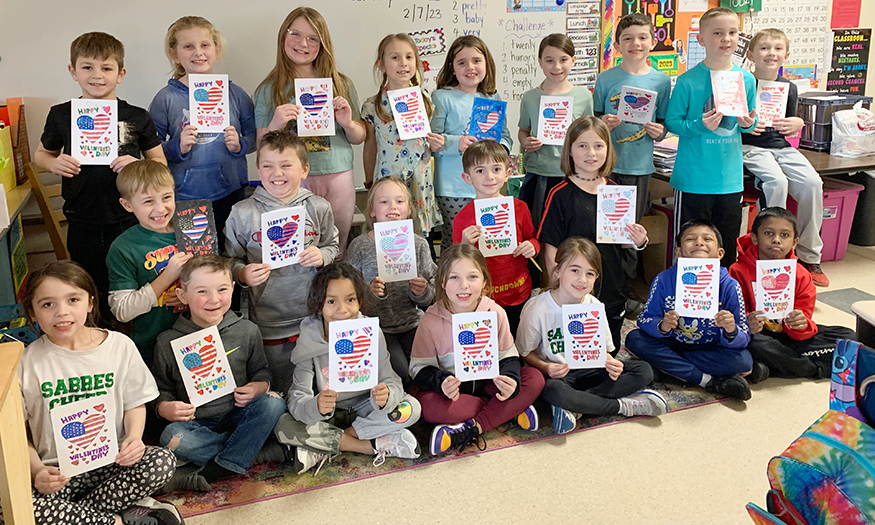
342,112
712,119
755,322
746,121
380,394
638,234
557,370
796,320
532,144
725,320
172,300
326,400
761,127
435,141
525,249
418,286
466,141
120,162
669,321
130,451
471,235
654,129
378,287
282,115
612,121
505,386
187,138
311,256
450,387
614,368
232,139
253,274
788,127
176,411
49,480
65,166
243,395
175,264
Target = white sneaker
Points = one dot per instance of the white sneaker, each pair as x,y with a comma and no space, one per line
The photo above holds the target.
397,445
644,403
306,459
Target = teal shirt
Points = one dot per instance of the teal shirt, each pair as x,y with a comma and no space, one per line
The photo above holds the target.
633,145
546,160
708,162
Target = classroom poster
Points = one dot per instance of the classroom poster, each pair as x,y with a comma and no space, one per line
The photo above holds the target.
697,291
776,287
497,220
487,119
85,434
585,332
615,209
94,131
729,94
353,354
409,112
396,250
555,115
195,227
282,236
203,365
850,61
475,345
208,102
662,16
316,97
636,105
771,100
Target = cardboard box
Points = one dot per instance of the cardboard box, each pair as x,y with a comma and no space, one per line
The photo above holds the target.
20,144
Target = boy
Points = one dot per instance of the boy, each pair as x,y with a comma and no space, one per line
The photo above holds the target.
485,165
707,174
143,263
710,353
278,298
796,346
779,167
91,201
222,437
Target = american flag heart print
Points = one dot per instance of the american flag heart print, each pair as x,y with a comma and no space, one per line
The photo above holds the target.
352,351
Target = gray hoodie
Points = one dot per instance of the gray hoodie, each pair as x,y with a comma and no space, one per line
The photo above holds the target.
278,305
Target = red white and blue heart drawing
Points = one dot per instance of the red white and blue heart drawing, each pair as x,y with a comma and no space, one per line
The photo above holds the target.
351,351
583,332
82,433
281,235
94,127
313,102
394,246
474,341
637,101
774,285
495,222
208,99
555,116
408,109
696,282
614,210
201,363
199,225
487,121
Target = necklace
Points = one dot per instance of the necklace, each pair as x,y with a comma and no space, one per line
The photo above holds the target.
578,177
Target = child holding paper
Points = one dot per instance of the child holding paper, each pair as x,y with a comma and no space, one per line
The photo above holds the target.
277,298
710,353
795,346
463,412
615,389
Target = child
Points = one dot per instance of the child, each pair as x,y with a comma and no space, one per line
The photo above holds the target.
398,303
71,361
780,168
277,299
463,412
543,161
304,50
222,437
143,262
599,392
385,153
587,160
796,346
485,165
707,173
467,73
375,420
710,353
91,201
205,165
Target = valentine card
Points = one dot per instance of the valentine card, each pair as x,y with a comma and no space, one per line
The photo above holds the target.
316,98
475,345
497,221
771,100
615,209
282,236
697,288
554,117
85,434
94,130
204,366
487,119
208,102
585,328
636,105
409,111
729,94
396,251
195,227
776,287
353,354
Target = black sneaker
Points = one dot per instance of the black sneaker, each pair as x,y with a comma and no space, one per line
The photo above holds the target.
732,386
760,372
445,437
157,513
633,309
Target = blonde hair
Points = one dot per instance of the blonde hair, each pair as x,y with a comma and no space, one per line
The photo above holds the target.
578,128
771,32
143,175
190,22
447,75
713,13
382,114
446,261
373,191
571,248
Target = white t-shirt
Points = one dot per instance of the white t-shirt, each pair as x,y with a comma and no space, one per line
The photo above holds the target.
51,376
540,328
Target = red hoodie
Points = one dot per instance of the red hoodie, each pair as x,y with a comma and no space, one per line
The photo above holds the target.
744,271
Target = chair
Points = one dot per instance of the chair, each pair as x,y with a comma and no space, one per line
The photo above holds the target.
52,217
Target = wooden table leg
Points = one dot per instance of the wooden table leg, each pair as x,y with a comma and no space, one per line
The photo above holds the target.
15,486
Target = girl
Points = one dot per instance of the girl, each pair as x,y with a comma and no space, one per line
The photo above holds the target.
468,73
598,392
542,162
570,211
385,153
73,360
398,303
371,422
304,50
463,412
205,165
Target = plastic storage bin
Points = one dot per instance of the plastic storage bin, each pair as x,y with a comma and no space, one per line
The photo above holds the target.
839,205
816,110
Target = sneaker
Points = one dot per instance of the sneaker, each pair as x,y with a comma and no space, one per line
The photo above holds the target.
151,516
187,478
528,420
396,445
732,386
563,420
817,275
633,309
759,372
445,437
274,452
307,459
644,403
166,508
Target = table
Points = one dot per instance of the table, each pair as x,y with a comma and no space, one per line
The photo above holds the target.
827,165
15,490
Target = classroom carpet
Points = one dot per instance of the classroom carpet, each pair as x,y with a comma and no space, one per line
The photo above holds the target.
844,298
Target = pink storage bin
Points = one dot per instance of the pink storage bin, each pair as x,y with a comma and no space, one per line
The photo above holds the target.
839,205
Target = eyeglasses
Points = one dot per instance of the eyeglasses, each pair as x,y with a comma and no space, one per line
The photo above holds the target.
311,40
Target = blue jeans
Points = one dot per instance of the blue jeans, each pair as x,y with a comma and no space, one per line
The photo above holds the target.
232,440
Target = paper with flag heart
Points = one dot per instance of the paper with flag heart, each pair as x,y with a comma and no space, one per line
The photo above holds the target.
497,220
195,227
282,236
776,287
554,116
353,354
697,290
487,119
729,93
208,103
316,98
615,209
203,366
409,112
85,434
475,345
94,131
771,100
636,105
584,329
396,250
